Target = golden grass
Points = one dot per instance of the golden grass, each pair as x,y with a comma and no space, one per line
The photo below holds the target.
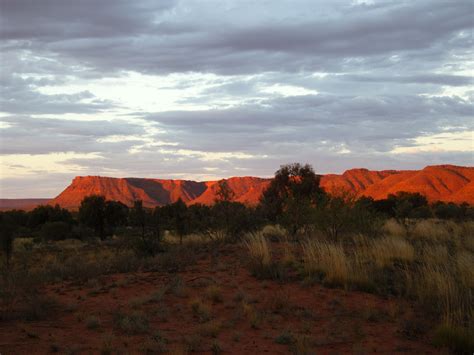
465,268
327,258
259,252
434,254
388,249
275,232
392,227
431,230
437,291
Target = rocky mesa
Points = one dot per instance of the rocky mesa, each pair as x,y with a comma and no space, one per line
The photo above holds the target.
437,183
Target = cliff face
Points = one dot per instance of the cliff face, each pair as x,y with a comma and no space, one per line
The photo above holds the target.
437,183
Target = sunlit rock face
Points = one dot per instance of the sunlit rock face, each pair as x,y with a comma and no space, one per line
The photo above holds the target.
437,183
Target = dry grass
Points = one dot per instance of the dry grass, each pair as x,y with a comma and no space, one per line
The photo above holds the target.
275,232
388,249
434,254
428,229
436,290
465,266
261,262
259,249
392,227
327,258
201,310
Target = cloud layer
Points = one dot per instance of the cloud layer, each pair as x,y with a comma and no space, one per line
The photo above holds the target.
208,89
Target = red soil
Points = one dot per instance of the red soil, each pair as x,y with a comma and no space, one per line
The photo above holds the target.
335,321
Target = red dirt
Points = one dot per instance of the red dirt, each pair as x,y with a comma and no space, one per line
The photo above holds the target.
335,321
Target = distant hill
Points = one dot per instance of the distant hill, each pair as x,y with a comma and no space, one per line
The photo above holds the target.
22,203
437,183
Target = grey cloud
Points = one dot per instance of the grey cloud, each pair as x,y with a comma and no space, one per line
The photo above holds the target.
155,40
28,135
20,96
385,68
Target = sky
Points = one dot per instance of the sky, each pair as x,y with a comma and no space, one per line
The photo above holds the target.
209,89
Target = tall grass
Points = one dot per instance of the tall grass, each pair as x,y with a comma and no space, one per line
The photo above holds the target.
326,258
389,249
260,255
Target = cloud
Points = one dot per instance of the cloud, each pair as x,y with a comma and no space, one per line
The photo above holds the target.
202,89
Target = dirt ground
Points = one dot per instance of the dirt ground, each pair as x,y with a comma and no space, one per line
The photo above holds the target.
214,306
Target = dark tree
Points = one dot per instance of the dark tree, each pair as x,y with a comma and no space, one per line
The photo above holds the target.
7,229
92,214
148,241
224,193
179,215
138,216
116,214
290,196
45,213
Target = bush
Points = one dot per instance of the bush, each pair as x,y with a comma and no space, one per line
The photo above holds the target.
55,231
147,244
134,323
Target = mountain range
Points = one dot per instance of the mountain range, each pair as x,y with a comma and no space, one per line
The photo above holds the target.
437,183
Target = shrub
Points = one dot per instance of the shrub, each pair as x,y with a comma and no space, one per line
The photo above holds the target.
92,322
214,293
210,329
285,338
55,231
201,310
133,323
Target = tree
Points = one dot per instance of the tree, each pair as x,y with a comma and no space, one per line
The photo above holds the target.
46,213
290,196
223,207
138,216
409,205
147,244
55,231
116,214
92,214
224,192
7,229
179,215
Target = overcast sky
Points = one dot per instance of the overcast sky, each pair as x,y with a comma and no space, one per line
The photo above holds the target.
210,89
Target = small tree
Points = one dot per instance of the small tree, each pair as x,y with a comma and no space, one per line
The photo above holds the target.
92,214
138,216
146,243
179,214
7,228
223,207
290,196
407,206
116,214
224,192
